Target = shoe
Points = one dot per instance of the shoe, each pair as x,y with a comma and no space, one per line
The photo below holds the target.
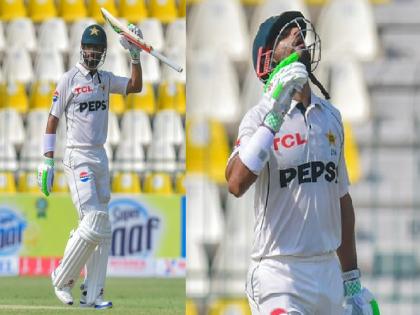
99,302
64,293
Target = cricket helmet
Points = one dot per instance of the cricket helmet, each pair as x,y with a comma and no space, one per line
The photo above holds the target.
274,29
93,35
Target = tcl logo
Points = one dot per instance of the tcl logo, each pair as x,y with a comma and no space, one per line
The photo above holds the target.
288,141
83,89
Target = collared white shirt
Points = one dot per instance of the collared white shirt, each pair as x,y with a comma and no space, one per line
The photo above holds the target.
297,197
84,99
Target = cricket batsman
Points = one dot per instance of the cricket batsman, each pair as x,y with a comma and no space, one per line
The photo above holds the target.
290,145
82,95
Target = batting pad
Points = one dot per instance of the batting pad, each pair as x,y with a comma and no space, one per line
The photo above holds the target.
96,268
94,228
68,246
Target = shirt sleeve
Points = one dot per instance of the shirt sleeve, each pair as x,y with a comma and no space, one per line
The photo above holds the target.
60,97
117,85
249,125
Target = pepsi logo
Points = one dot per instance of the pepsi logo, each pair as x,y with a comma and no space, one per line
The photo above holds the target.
55,96
84,177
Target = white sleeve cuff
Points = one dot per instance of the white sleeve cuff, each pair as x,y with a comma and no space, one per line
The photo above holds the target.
49,142
256,152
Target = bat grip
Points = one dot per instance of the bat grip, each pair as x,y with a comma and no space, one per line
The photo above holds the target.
164,59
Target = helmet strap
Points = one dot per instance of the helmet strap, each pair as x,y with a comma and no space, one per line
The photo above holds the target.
315,81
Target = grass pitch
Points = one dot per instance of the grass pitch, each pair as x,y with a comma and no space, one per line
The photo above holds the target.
129,295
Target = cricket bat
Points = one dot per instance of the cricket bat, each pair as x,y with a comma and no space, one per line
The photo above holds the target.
122,29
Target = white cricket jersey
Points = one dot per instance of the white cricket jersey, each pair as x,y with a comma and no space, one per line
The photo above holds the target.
297,196
85,101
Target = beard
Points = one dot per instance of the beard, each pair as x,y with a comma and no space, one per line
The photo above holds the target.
305,58
91,63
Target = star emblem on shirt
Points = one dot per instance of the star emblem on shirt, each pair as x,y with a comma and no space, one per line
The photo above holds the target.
331,138
94,31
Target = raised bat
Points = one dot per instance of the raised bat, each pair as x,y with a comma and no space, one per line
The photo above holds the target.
122,29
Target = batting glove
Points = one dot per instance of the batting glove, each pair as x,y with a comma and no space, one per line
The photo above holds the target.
133,49
358,300
287,77
283,82
46,176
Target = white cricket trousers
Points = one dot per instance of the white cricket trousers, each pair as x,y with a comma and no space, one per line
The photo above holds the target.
296,285
87,174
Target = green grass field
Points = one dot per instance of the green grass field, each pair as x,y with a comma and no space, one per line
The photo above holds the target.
129,295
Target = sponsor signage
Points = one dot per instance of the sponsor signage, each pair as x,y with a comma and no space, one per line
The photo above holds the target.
148,233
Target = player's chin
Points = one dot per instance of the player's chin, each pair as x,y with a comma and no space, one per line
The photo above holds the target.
92,64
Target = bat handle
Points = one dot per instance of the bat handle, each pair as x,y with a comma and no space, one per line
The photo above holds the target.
164,59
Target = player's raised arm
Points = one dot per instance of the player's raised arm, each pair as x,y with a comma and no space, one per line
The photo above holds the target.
243,169
135,84
238,176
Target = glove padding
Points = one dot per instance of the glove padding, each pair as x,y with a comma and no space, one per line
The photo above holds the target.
281,86
287,77
362,303
46,176
133,49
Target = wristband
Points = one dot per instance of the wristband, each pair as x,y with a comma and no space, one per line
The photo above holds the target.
135,61
351,275
255,153
49,142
